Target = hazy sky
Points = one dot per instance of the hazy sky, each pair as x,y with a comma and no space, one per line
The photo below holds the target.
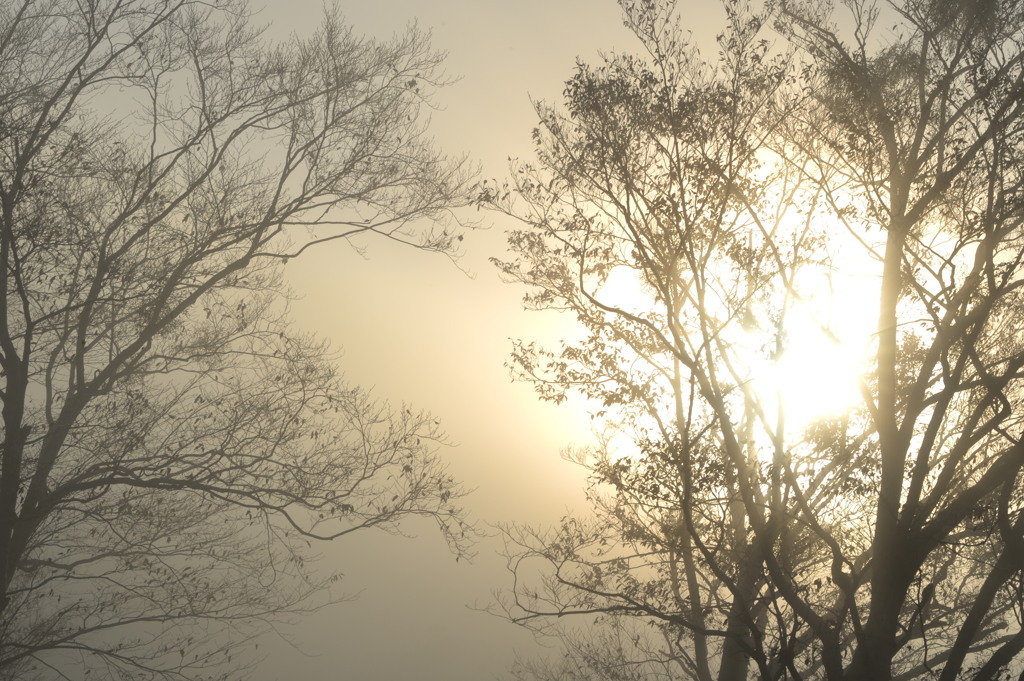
418,330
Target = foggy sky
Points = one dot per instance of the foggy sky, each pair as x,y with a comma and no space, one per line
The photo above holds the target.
417,330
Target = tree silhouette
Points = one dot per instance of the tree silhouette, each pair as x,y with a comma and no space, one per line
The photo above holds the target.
880,541
170,444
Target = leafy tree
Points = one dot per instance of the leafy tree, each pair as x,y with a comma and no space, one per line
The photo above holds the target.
885,540
171,445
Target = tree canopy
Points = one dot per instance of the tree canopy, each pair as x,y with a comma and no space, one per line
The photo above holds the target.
171,445
702,218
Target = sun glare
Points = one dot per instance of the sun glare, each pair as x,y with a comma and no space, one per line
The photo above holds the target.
828,334
817,375
622,289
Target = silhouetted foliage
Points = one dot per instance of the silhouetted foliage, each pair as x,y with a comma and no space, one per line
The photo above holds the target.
876,542
171,445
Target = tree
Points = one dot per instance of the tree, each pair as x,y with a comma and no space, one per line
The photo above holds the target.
880,541
171,446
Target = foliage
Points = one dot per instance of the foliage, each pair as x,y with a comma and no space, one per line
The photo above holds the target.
171,445
735,196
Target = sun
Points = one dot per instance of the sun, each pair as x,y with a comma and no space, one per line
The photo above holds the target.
828,335
817,375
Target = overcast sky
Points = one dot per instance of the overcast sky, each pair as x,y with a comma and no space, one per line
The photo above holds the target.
417,330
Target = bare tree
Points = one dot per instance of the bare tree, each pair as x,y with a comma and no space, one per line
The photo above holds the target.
882,541
170,445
